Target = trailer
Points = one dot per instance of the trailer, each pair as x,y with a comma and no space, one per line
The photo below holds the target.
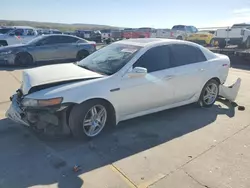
232,51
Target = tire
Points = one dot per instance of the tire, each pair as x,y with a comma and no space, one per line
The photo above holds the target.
247,43
23,59
222,44
81,55
208,102
82,113
3,43
179,38
141,36
212,41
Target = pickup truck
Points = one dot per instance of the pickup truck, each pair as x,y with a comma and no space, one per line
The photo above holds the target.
181,32
238,34
16,35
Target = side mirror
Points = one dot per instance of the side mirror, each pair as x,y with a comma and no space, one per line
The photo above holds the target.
137,72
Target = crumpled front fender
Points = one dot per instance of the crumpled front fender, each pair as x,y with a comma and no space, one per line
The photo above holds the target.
230,92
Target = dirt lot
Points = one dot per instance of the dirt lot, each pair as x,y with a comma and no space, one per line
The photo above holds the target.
186,147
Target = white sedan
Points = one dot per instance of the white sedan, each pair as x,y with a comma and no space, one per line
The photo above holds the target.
121,81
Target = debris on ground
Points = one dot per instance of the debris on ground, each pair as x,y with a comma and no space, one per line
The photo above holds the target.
76,168
241,108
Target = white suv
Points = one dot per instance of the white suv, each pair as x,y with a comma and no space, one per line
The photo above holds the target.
16,35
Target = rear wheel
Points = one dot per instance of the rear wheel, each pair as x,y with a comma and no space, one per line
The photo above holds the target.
247,44
212,43
179,38
209,93
81,55
88,119
222,44
3,43
23,59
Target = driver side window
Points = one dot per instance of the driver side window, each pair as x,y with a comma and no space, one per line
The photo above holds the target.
17,32
155,59
48,41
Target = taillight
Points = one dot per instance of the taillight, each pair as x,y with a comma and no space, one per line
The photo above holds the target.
242,32
94,45
171,34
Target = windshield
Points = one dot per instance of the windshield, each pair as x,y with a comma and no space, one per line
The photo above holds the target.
179,27
35,40
109,59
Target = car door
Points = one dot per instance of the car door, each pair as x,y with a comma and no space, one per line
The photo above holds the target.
46,49
67,47
189,71
150,91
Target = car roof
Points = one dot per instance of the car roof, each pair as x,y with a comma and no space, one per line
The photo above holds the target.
22,27
143,42
47,35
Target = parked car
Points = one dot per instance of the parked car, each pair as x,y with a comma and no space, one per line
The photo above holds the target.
106,34
123,80
162,33
202,37
238,34
181,32
4,30
143,32
116,35
47,48
17,35
89,35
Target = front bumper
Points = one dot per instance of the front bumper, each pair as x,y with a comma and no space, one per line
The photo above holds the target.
51,120
8,59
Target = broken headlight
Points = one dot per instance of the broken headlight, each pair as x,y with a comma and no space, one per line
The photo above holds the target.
41,102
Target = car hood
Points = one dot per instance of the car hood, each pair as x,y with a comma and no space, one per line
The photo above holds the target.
52,75
12,47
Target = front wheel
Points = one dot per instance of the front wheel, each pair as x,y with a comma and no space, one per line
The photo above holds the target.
209,93
88,119
81,55
23,59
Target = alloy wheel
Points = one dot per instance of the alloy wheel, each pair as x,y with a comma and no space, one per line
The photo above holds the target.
94,120
210,93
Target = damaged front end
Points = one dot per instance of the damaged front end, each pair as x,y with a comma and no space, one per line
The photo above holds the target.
43,117
230,92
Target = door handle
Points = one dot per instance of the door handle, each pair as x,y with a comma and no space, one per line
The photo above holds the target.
168,77
201,69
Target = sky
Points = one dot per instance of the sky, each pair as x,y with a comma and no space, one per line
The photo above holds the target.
130,13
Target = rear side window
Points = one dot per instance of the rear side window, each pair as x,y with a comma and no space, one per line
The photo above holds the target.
155,59
67,39
185,54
